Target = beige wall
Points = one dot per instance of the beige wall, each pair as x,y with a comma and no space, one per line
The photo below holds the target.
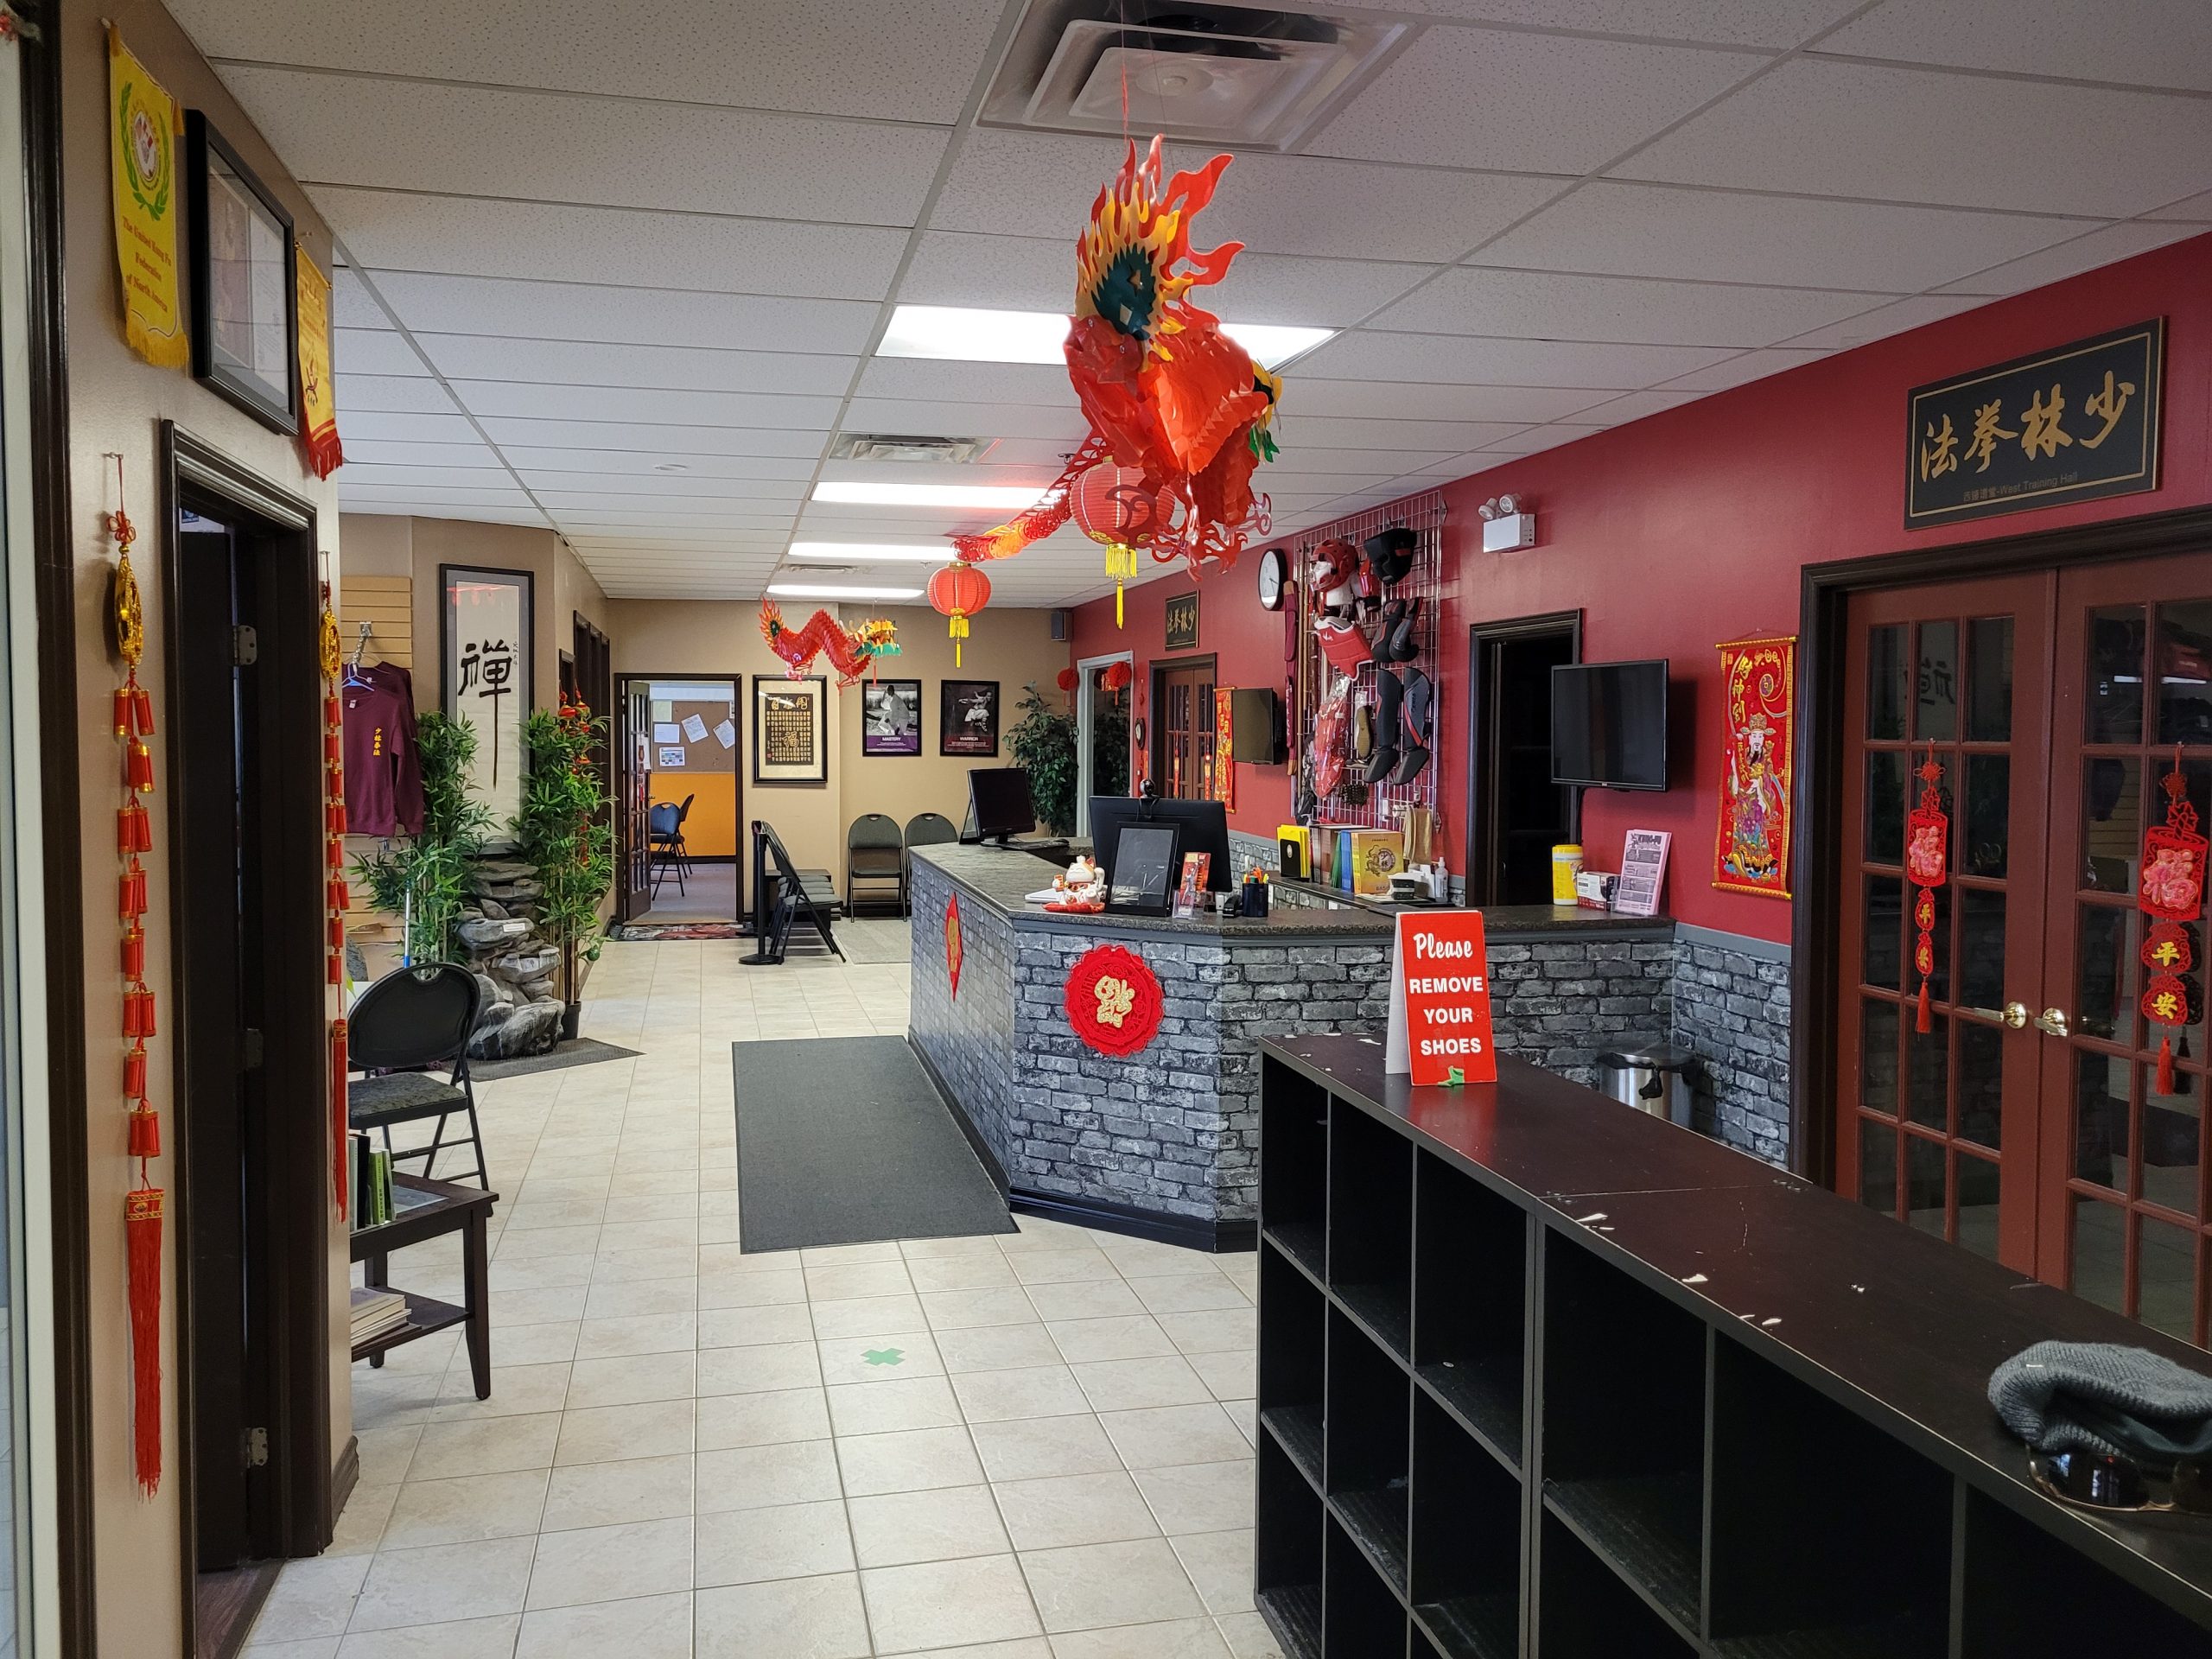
674,637
116,403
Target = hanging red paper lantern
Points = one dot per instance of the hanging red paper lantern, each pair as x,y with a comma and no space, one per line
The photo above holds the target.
1118,675
959,591
1113,506
1067,679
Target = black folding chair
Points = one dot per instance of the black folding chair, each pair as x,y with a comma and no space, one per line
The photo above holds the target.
780,891
923,830
875,852
664,837
408,1021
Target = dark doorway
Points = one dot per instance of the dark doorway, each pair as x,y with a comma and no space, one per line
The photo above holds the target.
1182,728
677,752
249,1137
1515,813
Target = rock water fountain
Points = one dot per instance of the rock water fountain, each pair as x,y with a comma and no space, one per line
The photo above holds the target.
513,963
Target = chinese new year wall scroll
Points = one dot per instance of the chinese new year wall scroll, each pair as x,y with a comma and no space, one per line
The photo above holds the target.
1759,712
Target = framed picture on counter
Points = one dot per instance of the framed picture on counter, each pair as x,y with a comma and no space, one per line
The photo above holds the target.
790,734
890,717
968,719
1147,857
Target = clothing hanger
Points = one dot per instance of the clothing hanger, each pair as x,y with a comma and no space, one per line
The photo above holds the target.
353,675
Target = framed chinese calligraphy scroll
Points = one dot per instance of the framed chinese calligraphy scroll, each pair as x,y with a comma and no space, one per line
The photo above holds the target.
2074,425
485,645
790,736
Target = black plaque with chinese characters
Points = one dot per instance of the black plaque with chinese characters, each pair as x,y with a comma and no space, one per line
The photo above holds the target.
2072,424
1182,617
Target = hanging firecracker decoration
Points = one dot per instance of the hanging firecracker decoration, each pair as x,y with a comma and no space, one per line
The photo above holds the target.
1117,508
959,591
2172,899
1927,859
1113,1001
142,1206
330,658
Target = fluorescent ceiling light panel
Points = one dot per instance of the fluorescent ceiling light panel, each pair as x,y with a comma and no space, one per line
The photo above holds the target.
994,496
835,590
867,553
976,336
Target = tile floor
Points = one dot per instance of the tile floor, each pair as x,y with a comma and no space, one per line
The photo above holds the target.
1029,1447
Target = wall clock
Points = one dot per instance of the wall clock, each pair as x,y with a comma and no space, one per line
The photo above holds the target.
1272,576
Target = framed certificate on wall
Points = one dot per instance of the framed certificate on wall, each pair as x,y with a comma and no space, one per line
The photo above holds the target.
790,734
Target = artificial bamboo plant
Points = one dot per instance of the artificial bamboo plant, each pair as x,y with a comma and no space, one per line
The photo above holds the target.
426,878
567,834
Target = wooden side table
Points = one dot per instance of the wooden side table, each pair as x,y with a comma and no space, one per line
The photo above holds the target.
421,1210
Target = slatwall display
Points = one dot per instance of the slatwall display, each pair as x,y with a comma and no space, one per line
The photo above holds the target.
1378,807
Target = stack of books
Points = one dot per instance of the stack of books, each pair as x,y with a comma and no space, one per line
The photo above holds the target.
377,1312
371,1170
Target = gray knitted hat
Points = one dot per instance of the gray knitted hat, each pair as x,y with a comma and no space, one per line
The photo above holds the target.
2099,1397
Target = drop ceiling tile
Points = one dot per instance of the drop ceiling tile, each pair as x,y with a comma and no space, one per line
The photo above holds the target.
562,498
401,427
1037,273
1631,406
533,461
1535,441
1460,359
1044,384
2143,42
351,307
1881,322
707,522
475,140
648,407
1516,405
1370,463
933,417
1339,432
1010,475
849,59
629,316
375,451
373,351
2197,208
582,363
758,544
1732,22
2099,247
390,394
659,440
1632,230
1524,103
361,470
1741,370
1823,128
1036,184
472,237
1550,305
429,495
458,513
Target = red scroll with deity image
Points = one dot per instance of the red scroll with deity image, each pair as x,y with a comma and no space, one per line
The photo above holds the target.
1751,854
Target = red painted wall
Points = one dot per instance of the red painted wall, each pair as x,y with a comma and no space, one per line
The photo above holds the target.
1680,531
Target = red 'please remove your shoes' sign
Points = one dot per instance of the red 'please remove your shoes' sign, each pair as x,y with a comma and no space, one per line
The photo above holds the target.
1439,1000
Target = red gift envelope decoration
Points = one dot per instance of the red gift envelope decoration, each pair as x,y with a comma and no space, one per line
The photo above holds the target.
2171,896
1927,855
1439,1000
953,952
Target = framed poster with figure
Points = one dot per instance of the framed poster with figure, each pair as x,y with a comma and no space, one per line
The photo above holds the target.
790,734
485,623
890,717
968,721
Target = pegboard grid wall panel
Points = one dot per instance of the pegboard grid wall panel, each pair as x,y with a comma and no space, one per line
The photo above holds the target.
387,604
1379,807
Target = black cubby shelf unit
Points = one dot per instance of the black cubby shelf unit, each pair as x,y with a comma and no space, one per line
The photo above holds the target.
1540,1374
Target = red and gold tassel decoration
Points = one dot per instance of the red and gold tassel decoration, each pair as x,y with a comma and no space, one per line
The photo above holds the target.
2172,899
331,658
1927,860
134,835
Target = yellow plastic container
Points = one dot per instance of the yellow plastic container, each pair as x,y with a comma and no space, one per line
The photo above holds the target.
1567,864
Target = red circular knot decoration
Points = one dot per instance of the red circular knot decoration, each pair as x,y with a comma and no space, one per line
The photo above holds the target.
1113,1003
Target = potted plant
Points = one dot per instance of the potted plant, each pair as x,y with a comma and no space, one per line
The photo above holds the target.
1045,744
425,879
566,834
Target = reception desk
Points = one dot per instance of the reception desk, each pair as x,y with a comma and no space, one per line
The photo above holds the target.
1164,1141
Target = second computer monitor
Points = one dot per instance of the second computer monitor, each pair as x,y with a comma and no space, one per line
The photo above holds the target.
1205,825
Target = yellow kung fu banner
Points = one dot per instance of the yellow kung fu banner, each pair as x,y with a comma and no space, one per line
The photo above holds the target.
1759,703
143,129
1224,762
318,408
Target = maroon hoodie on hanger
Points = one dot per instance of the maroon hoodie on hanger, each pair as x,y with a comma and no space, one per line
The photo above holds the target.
384,780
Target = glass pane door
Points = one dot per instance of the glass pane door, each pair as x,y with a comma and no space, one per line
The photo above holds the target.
1938,1127
2124,1208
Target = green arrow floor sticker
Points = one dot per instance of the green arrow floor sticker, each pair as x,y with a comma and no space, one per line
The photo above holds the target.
885,1356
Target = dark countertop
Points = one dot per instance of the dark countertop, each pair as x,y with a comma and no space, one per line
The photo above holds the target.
1002,877
1849,1300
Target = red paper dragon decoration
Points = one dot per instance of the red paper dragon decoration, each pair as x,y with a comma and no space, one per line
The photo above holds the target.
854,649
1167,394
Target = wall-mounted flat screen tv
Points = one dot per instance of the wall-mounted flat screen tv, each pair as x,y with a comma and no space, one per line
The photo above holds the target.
1609,725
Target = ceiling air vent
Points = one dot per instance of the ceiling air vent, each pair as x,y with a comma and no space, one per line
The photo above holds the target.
896,446
1217,74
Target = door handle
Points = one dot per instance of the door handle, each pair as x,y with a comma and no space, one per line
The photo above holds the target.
2012,1015
2051,1022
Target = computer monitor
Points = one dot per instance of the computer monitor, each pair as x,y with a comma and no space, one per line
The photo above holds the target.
999,802
1204,824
